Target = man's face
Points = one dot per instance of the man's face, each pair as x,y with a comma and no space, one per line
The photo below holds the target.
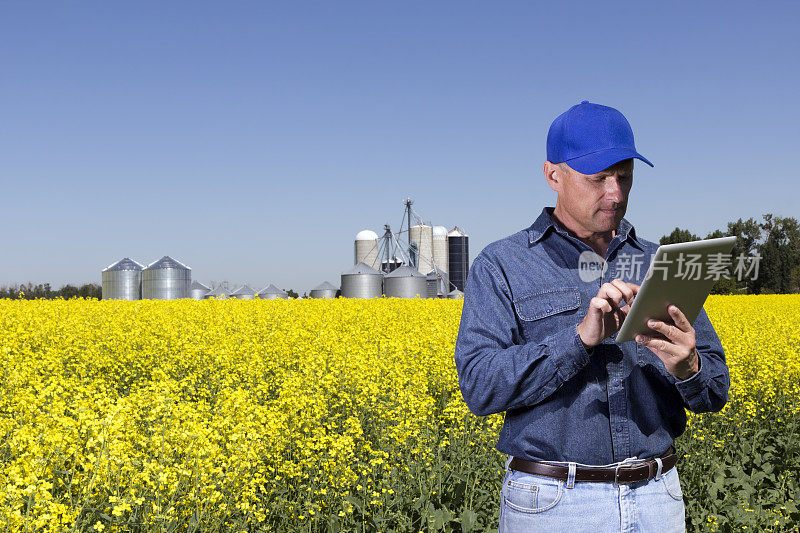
593,203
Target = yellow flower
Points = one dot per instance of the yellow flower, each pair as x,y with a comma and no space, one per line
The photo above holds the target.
249,409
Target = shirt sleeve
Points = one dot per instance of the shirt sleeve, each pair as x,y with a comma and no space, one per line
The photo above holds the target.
495,373
707,390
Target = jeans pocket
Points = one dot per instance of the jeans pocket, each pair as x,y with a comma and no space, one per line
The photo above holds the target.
672,484
527,493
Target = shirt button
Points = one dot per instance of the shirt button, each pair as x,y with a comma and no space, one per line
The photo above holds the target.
619,429
617,383
548,308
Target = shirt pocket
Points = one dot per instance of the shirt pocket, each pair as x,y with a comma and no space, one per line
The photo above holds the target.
545,312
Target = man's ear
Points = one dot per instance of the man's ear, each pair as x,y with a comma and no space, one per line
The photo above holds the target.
553,175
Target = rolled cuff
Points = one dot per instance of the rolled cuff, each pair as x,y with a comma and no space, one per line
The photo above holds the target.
568,352
695,386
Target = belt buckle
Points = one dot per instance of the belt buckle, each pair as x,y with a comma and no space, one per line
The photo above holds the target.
616,476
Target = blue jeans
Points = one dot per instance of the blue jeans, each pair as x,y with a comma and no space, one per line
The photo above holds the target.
538,503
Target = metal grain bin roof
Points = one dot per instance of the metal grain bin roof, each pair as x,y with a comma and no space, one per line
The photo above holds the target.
198,291
219,291
197,285
361,268
124,264
244,290
405,271
325,286
272,289
455,294
167,262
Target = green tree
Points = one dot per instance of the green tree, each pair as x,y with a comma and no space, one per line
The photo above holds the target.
678,235
780,255
748,234
724,285
291,293
748,238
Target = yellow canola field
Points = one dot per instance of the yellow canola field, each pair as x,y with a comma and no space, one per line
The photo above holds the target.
200,411
206,415
761,338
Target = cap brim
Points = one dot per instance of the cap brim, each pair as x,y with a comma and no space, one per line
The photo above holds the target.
598,161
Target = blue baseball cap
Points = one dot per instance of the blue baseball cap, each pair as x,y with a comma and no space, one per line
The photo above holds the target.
590,138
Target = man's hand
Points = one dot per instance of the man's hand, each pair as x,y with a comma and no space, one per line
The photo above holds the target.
674,344
605,313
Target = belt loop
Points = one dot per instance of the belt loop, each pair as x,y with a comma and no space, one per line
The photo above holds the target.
571,475
660,465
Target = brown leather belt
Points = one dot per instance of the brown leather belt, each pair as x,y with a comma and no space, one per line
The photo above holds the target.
620,474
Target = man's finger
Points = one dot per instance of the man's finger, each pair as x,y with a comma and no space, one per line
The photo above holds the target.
626,289
670,331
610,293
601,304
613,295
679,318
660,344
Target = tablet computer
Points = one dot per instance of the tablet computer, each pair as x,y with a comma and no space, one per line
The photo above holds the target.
681,274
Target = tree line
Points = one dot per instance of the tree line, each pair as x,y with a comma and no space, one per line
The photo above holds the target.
775,241
29,291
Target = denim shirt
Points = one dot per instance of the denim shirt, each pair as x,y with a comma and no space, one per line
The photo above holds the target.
518,351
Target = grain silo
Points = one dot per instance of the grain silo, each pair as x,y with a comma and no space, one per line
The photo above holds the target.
362,281
458,256
323,290
422,234
245,292
437,283
271,292
390,265
366,248
455,294
166,279
440,248
199,291
220,292
122,280
405,282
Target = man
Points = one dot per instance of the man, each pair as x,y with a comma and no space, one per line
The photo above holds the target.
589,424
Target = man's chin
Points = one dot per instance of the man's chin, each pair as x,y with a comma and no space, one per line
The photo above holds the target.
609,224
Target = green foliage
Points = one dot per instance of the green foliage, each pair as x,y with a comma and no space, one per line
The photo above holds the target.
780,255
678,235
30,291
776,240
741,471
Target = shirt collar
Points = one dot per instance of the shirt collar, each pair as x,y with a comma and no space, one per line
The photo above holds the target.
545,221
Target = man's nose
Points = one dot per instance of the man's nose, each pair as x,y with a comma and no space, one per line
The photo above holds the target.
614,190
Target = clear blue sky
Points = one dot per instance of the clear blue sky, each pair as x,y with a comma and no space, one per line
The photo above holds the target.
253,140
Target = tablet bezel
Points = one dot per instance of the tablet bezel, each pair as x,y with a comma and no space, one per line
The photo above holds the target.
656,293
